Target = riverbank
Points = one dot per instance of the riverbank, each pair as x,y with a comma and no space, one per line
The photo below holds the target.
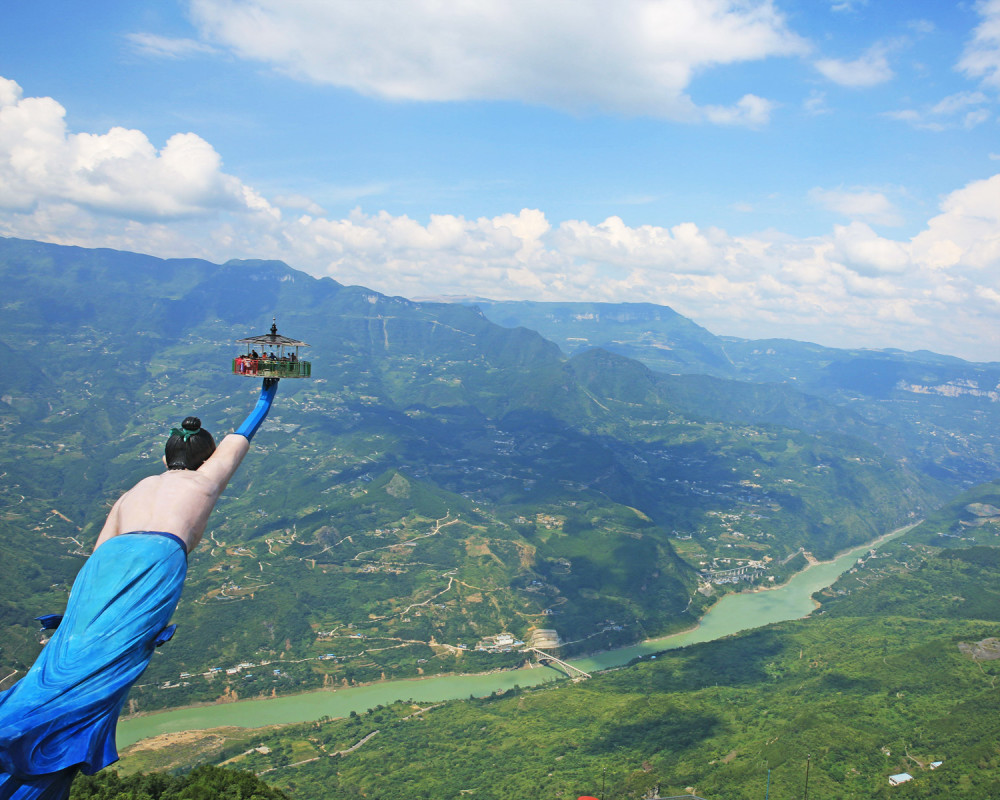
842,554
733,613
831,564
361,685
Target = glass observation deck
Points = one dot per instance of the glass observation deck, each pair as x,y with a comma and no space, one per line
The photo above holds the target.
268,368
271,355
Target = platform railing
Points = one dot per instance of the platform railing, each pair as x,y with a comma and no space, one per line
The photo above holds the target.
271,368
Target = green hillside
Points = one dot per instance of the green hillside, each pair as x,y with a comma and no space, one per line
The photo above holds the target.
862,699
203,782
656,335
943,411
896,672
440,480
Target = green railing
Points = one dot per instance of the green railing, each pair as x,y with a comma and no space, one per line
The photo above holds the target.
268,368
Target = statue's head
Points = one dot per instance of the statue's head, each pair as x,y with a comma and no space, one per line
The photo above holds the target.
188,446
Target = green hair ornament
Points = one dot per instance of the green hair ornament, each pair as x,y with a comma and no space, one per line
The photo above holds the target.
184,433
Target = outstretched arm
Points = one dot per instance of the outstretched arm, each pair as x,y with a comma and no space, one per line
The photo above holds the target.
253,422
227,457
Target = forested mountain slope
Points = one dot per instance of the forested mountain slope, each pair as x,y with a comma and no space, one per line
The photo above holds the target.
945,410
440,480
896,672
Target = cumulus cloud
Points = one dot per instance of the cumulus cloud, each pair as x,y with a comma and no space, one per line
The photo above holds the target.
863,251
632,56
966,232
850,286
870,69
118,172
862,204
981,58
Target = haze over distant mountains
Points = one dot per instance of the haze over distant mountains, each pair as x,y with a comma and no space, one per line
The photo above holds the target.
922,388
451,472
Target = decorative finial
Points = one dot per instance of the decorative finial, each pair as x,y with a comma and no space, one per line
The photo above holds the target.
274,326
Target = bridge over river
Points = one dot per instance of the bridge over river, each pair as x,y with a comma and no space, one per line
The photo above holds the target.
571,670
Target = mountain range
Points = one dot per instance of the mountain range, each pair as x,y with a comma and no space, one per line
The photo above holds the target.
452,471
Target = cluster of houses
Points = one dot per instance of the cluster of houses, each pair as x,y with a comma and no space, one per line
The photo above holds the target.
501,643
906,777
743,571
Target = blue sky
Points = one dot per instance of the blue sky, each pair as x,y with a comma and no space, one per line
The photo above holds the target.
826,170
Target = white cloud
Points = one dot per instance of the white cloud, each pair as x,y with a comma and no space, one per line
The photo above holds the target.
751,111
870,69
10,92
815,105
849,287
974,118
967,231
631,56
848,5
958,103
150,44
981,58
299,202
962,109
909,115
866,205
863,251
922,27
118,172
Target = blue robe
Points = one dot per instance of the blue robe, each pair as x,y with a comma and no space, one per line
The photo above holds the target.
61,716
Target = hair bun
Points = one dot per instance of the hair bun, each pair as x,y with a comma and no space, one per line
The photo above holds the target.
191,424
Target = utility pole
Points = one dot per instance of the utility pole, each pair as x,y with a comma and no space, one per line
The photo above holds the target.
805,796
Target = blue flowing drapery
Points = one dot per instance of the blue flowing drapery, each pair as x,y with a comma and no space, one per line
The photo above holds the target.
61,716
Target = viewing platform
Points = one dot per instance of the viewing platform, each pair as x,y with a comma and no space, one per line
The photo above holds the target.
266,368
278,357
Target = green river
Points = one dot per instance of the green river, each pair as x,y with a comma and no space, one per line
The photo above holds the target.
732,614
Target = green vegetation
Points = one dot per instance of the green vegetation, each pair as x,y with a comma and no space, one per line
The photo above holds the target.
896,672
441,479
940,410
863,698
203,783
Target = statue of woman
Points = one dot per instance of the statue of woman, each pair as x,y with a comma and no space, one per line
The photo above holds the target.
61,717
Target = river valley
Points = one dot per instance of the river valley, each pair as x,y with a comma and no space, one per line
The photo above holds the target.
732,614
